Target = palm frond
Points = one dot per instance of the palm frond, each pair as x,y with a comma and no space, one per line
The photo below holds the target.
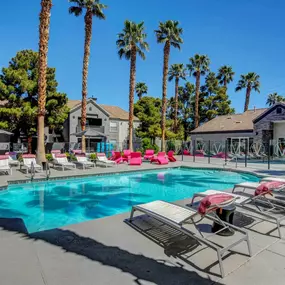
133,35
77,11
199,63
141,54
97,9
169,31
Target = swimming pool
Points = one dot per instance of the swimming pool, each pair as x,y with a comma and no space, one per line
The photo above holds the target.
53,204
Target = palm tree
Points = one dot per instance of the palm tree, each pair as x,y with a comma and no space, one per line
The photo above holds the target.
130,43
93,8
43,50
168,33
225,75
176,71
199,65
141,88
251,82
274,98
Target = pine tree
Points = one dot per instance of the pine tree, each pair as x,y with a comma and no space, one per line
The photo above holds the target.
19,90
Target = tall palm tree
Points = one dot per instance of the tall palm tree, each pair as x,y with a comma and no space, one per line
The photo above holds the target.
43,50
225,75
251,82
169,34
131,42
199,65
274,98
141,88
176,71
93,8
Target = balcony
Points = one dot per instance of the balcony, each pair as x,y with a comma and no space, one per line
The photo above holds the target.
100,129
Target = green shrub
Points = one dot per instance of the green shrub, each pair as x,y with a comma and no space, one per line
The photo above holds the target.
93,156
20,158
170,145
146,144
72,157
49,157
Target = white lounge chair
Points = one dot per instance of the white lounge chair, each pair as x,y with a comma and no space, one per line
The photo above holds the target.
254,205
82,160
254,185
55,152
178,217
4,164
272,179
61,161
12,156
29,161
101,157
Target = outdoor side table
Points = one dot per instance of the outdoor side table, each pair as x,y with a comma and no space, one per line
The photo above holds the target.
225,214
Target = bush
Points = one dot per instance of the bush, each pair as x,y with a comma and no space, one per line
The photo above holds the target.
72,157
170,145
49,157
146,144
93,156
20,158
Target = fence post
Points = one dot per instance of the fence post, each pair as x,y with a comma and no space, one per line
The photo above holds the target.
194,150
246,153
209,152
182,149
268,154
226,152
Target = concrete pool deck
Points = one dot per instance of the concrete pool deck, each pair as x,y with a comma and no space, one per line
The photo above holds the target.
110,251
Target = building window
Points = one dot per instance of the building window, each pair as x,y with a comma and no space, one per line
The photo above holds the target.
90,108
113,127
279,110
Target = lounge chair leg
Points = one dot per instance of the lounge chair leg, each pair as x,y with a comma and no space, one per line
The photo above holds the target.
248,245
279,229
132,215
221,263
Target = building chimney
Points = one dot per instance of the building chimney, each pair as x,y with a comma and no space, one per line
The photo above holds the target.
93,98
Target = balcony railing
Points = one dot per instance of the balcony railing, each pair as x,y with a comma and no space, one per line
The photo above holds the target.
100,129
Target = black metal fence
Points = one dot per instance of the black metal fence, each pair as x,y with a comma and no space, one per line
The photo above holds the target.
241,153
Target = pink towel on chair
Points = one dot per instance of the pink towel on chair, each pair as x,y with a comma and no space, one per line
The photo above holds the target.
265,188
59,155
28,156
4,157
210,200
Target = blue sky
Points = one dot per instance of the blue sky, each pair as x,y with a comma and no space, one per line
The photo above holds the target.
246,34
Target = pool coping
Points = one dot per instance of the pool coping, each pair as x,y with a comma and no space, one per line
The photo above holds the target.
126,171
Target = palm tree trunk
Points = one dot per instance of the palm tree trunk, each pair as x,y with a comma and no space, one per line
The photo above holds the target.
43,50
164,93
30,139
225,83
88,34
197,97
185,129
131,94
176,105
247,98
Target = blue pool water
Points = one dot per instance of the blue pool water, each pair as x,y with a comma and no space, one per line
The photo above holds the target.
58,203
